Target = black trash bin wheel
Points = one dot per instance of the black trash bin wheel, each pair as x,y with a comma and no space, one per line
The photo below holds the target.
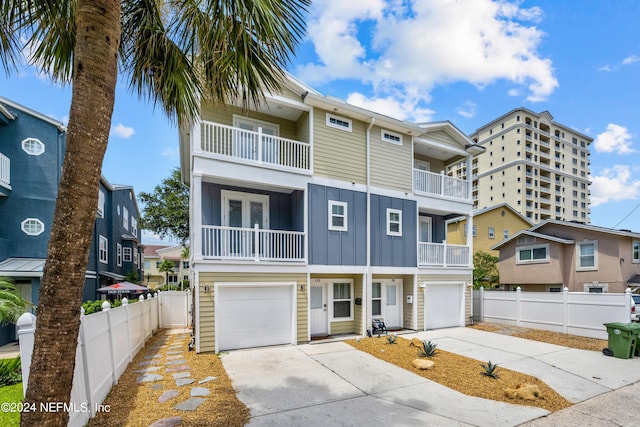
607,351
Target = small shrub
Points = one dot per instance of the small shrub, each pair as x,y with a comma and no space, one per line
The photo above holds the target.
391,339
10,371
428,349
490,370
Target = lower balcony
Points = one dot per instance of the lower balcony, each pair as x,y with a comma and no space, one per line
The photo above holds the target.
252,244
443,255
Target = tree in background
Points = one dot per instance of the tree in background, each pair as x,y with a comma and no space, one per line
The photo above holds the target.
485,270
166,267
166,210
12,304
177,54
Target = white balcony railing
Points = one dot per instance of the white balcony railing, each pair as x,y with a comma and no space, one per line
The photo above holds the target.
5,170
255,147
443,255
440,184
254,244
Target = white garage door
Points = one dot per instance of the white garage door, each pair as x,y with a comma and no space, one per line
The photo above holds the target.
253,316
443,305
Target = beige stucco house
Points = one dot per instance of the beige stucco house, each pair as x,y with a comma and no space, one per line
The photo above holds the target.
154,255
582,257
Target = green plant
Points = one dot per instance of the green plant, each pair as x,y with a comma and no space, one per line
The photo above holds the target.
12,395
428,349
490,370
391,339
10,371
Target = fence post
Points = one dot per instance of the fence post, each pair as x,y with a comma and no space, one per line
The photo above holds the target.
106,306
85,360
160,320
26,331
144,332
518,308
125,303
481,317
565,310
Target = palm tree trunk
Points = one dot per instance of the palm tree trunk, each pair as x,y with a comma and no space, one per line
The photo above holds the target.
58,313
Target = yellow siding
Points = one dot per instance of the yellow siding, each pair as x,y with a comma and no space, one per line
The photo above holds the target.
339,154
357,311
391,164
407,309
457,278
339,328
445,138
436,165
207,319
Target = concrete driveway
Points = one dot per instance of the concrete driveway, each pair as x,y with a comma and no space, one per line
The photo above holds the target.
334,384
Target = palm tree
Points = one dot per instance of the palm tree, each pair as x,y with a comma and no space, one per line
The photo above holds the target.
166,267
174,53
12,304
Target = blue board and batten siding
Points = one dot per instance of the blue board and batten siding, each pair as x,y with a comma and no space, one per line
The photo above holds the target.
327,247
393,251
286,210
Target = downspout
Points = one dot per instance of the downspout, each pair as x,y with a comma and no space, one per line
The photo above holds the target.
365,286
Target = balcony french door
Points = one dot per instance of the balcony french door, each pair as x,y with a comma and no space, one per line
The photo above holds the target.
262,147
243,211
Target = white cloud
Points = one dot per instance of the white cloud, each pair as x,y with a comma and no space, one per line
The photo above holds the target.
614,184
468,111
605,68
630,60
171,152
122,131
411,47
615,139
392,106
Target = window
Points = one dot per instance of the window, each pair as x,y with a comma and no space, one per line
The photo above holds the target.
134,226
135,256
103,253
596,288
473,231
587,255
32,226
376,299
492,232
636,251
337,216
126,253
33,146
338,122
119,254
394,222
505,234
392,137
125,218
532,254
342,301
101,204
147,264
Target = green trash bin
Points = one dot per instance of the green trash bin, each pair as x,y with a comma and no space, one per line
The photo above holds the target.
622,339
635,329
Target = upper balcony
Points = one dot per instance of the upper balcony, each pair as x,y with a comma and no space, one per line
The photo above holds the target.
439,184
5,171
259,148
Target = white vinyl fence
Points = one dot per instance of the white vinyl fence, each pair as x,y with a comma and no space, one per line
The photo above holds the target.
107,342
576,313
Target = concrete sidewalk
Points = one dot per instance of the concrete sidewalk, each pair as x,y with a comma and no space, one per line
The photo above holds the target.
334,384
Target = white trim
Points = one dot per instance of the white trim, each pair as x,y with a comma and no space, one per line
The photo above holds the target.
604,286
103,251
389,222
33,143
579,245
532,247
390,137
237,119
330,282
344,216
119,255
335,121
637,244
424,285
30,222
125,218
245,197
294,301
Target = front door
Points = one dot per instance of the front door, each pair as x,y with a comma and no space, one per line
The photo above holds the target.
385,301
318,310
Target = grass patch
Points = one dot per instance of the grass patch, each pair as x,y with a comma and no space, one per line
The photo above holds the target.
10,394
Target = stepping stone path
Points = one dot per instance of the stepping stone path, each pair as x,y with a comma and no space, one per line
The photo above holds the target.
168,358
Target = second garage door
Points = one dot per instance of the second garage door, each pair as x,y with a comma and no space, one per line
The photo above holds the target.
443,305
254,316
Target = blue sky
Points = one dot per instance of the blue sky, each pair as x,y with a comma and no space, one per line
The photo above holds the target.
466,61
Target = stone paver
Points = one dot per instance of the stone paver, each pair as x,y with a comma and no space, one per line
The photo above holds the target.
177,362
199,391
169,394
190,404
155,356
174,357
167,422
175,352
148,378
181,375
147,370
206,380
184,381
177,368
